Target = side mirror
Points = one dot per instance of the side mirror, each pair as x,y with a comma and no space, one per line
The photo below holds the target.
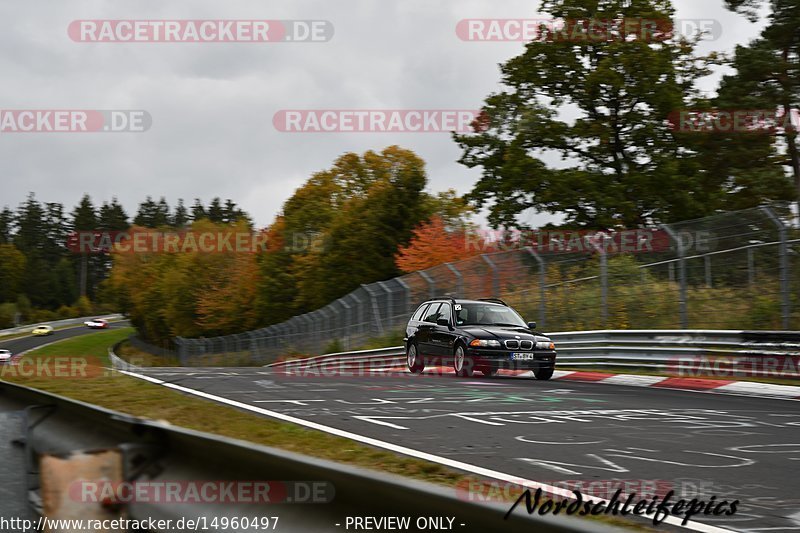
531,325
443,322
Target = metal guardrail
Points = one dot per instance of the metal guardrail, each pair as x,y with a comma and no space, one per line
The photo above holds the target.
56,323
158,452
653,349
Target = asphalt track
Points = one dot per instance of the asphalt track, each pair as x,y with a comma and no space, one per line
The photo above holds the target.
23,344
581,435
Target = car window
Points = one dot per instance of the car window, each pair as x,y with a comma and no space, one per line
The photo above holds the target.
420,312
444,311
487,315
433,312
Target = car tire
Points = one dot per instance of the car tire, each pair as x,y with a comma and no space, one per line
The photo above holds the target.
461,363
489,372
413,360
543,374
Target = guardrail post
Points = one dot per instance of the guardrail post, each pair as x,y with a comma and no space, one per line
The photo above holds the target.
459,279
681,274
431,283
495,278
784,266
542,285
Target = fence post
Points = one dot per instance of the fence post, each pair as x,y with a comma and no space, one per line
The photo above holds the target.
784,268
751,267
359,308
349,318
376,314
431,284
601,249
707,260
253,345
309,329
389,303
180,342
681,274
407,291
495,278
542,286
459,279
326,328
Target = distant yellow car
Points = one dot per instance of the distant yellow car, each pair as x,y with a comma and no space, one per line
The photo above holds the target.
43,330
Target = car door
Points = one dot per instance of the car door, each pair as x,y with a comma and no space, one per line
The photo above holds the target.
443,337
426,329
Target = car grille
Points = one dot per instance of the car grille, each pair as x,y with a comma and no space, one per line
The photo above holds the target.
513,344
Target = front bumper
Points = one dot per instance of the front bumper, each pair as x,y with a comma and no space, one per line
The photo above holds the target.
502,359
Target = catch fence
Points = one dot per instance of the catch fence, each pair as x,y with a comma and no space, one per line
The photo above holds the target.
734,270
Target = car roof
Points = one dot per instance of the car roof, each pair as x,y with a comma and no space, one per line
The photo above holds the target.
463,301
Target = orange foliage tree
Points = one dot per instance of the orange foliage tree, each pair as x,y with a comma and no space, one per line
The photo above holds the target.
431,245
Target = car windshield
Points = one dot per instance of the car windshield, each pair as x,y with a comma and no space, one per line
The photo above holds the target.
476,314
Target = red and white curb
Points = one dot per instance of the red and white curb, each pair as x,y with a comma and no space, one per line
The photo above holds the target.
715,386
718,386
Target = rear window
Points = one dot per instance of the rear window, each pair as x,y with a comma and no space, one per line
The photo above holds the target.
419,314
433,313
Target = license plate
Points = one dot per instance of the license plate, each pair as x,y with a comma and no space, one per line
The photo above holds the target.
522,357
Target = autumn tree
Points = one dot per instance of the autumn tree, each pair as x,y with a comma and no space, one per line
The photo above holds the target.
433,244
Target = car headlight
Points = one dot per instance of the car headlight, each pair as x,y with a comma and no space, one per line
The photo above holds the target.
485,343
545,345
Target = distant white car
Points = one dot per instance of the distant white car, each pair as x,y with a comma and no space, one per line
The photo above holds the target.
97,323
5,356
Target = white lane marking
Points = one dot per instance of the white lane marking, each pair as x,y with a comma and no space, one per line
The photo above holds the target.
379,422
761,389
522,438
458,465
295,402
634,380
793,448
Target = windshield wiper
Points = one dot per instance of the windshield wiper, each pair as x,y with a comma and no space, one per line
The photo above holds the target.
503,324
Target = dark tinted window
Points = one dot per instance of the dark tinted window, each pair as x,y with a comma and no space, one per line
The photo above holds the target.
433,312
418,315
487,315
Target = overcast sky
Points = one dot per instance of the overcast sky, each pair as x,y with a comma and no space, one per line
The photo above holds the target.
212,104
